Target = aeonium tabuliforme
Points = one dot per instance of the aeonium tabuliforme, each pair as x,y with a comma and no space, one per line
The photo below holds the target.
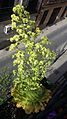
32,62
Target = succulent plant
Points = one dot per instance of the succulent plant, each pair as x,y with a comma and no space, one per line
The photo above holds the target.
32,62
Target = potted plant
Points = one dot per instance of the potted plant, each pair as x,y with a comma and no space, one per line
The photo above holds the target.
32,62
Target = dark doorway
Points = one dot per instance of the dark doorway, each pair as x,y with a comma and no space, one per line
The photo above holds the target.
6,3
6,9
32,6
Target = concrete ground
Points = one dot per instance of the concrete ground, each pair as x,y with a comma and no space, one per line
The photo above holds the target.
57,34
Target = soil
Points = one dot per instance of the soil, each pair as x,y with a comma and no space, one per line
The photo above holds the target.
56,109
8,110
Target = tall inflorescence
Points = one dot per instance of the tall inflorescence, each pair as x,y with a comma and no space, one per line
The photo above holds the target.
32,62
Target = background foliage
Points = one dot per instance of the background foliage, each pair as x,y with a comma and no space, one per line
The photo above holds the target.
5,85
